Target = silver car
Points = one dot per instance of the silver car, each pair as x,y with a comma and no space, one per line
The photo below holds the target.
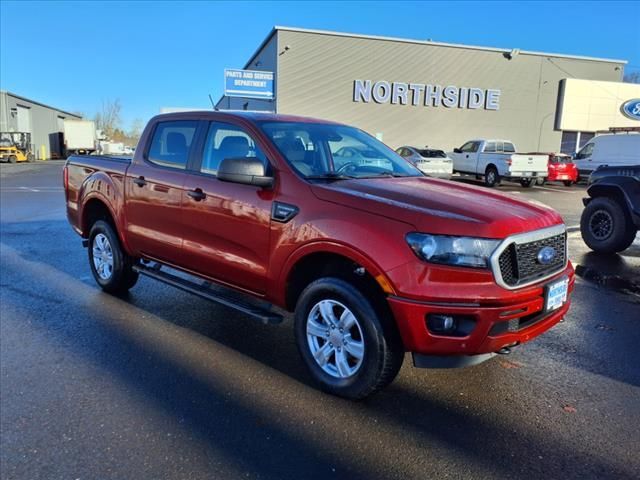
431,162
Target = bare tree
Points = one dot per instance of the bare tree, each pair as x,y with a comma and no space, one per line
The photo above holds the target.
632,77
136,129
108,119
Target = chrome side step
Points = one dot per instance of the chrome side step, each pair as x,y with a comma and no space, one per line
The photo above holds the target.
222,295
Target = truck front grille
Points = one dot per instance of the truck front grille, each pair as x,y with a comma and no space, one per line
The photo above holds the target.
519,264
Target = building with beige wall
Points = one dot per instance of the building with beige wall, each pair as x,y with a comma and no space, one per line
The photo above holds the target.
428,93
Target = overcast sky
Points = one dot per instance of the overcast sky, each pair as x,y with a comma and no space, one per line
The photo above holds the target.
73,55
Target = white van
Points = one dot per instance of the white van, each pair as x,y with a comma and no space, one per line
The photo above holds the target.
614,149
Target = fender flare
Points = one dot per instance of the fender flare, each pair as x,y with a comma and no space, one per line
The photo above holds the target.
338,248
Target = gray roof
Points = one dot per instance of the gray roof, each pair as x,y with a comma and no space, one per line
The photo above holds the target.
425,42
25,99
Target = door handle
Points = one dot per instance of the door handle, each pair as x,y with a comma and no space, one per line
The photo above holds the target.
197,194
140,181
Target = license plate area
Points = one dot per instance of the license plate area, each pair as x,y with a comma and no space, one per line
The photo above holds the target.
556,294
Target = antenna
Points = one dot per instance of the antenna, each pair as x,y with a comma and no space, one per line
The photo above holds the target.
213,105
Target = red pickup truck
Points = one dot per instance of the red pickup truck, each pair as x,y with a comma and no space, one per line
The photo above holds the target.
261,213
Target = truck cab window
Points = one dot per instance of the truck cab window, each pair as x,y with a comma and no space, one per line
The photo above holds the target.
509,148
490,147
227,141
470,147
171,143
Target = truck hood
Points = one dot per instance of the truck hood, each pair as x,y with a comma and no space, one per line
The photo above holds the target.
441,206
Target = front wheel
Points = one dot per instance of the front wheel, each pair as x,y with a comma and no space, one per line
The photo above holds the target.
526,182
111,266
343,341
13,159
605,227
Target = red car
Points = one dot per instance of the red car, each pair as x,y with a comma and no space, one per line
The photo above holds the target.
262,213
561,169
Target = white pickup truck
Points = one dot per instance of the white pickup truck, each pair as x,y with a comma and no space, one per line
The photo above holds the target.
497,160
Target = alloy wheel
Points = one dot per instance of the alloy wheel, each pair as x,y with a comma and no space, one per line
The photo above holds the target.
335,339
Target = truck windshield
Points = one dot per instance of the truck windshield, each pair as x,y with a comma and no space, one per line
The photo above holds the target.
335,152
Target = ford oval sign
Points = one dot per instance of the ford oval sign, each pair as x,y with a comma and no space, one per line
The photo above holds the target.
546,255
631,109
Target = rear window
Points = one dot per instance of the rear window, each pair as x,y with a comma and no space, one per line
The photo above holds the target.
560,159
171,143
429,153
509,148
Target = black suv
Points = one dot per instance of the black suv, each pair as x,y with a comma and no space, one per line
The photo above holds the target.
611,217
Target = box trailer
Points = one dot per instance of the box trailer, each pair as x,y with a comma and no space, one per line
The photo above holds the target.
79,137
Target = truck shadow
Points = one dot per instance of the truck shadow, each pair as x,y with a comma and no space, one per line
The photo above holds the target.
253,437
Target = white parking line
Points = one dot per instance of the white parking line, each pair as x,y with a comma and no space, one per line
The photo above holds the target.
556,190
31,189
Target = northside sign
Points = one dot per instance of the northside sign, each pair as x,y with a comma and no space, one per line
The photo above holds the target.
450,96
248,84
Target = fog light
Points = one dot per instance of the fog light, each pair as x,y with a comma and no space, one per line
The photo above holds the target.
438,323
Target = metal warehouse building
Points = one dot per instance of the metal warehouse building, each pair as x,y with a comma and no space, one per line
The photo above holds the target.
44,123
429,93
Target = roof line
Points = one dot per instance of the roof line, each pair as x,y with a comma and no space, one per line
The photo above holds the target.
427,42
15,95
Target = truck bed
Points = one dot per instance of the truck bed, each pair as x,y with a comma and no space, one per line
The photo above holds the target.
81,168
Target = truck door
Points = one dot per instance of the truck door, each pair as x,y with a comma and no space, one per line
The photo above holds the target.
154,191
468,157
226,225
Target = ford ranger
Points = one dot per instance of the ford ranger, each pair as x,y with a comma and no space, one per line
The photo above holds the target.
262,213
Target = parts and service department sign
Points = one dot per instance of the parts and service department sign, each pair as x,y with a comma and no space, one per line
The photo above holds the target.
450,96
248,84
631,109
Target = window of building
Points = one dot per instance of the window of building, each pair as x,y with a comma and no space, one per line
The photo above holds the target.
573,141
227,141
171,143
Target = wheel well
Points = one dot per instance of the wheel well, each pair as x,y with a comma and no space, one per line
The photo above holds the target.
318,265
491,165
612,193
93,211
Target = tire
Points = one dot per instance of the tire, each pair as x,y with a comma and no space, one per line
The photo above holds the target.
31,158
113,269
373,353
491,177
12,159
526,182
541,181
567,183
605,227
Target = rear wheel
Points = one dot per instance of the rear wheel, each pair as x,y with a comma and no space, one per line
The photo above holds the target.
491,177
605,226
342,340
13,159
31,158
111,266
526,182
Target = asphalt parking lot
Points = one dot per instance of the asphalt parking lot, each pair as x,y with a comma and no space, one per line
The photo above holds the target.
164,385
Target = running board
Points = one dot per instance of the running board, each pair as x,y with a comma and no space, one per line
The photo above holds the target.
262,313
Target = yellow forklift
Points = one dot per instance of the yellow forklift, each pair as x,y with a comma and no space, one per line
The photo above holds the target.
15,147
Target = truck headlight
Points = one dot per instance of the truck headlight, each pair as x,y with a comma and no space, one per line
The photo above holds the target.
458,251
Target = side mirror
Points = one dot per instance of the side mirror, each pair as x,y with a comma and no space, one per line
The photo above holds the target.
247,171
457,150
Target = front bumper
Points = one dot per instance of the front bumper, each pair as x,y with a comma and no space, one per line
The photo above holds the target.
514,319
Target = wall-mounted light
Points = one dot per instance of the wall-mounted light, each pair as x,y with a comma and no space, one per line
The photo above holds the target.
286,48
14,111
258,63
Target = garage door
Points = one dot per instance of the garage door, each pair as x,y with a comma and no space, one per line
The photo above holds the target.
24,119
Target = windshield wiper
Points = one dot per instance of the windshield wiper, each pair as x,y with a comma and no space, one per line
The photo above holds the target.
387,175
329,176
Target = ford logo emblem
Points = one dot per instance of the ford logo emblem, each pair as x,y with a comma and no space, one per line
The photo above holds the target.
546,255
631,109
